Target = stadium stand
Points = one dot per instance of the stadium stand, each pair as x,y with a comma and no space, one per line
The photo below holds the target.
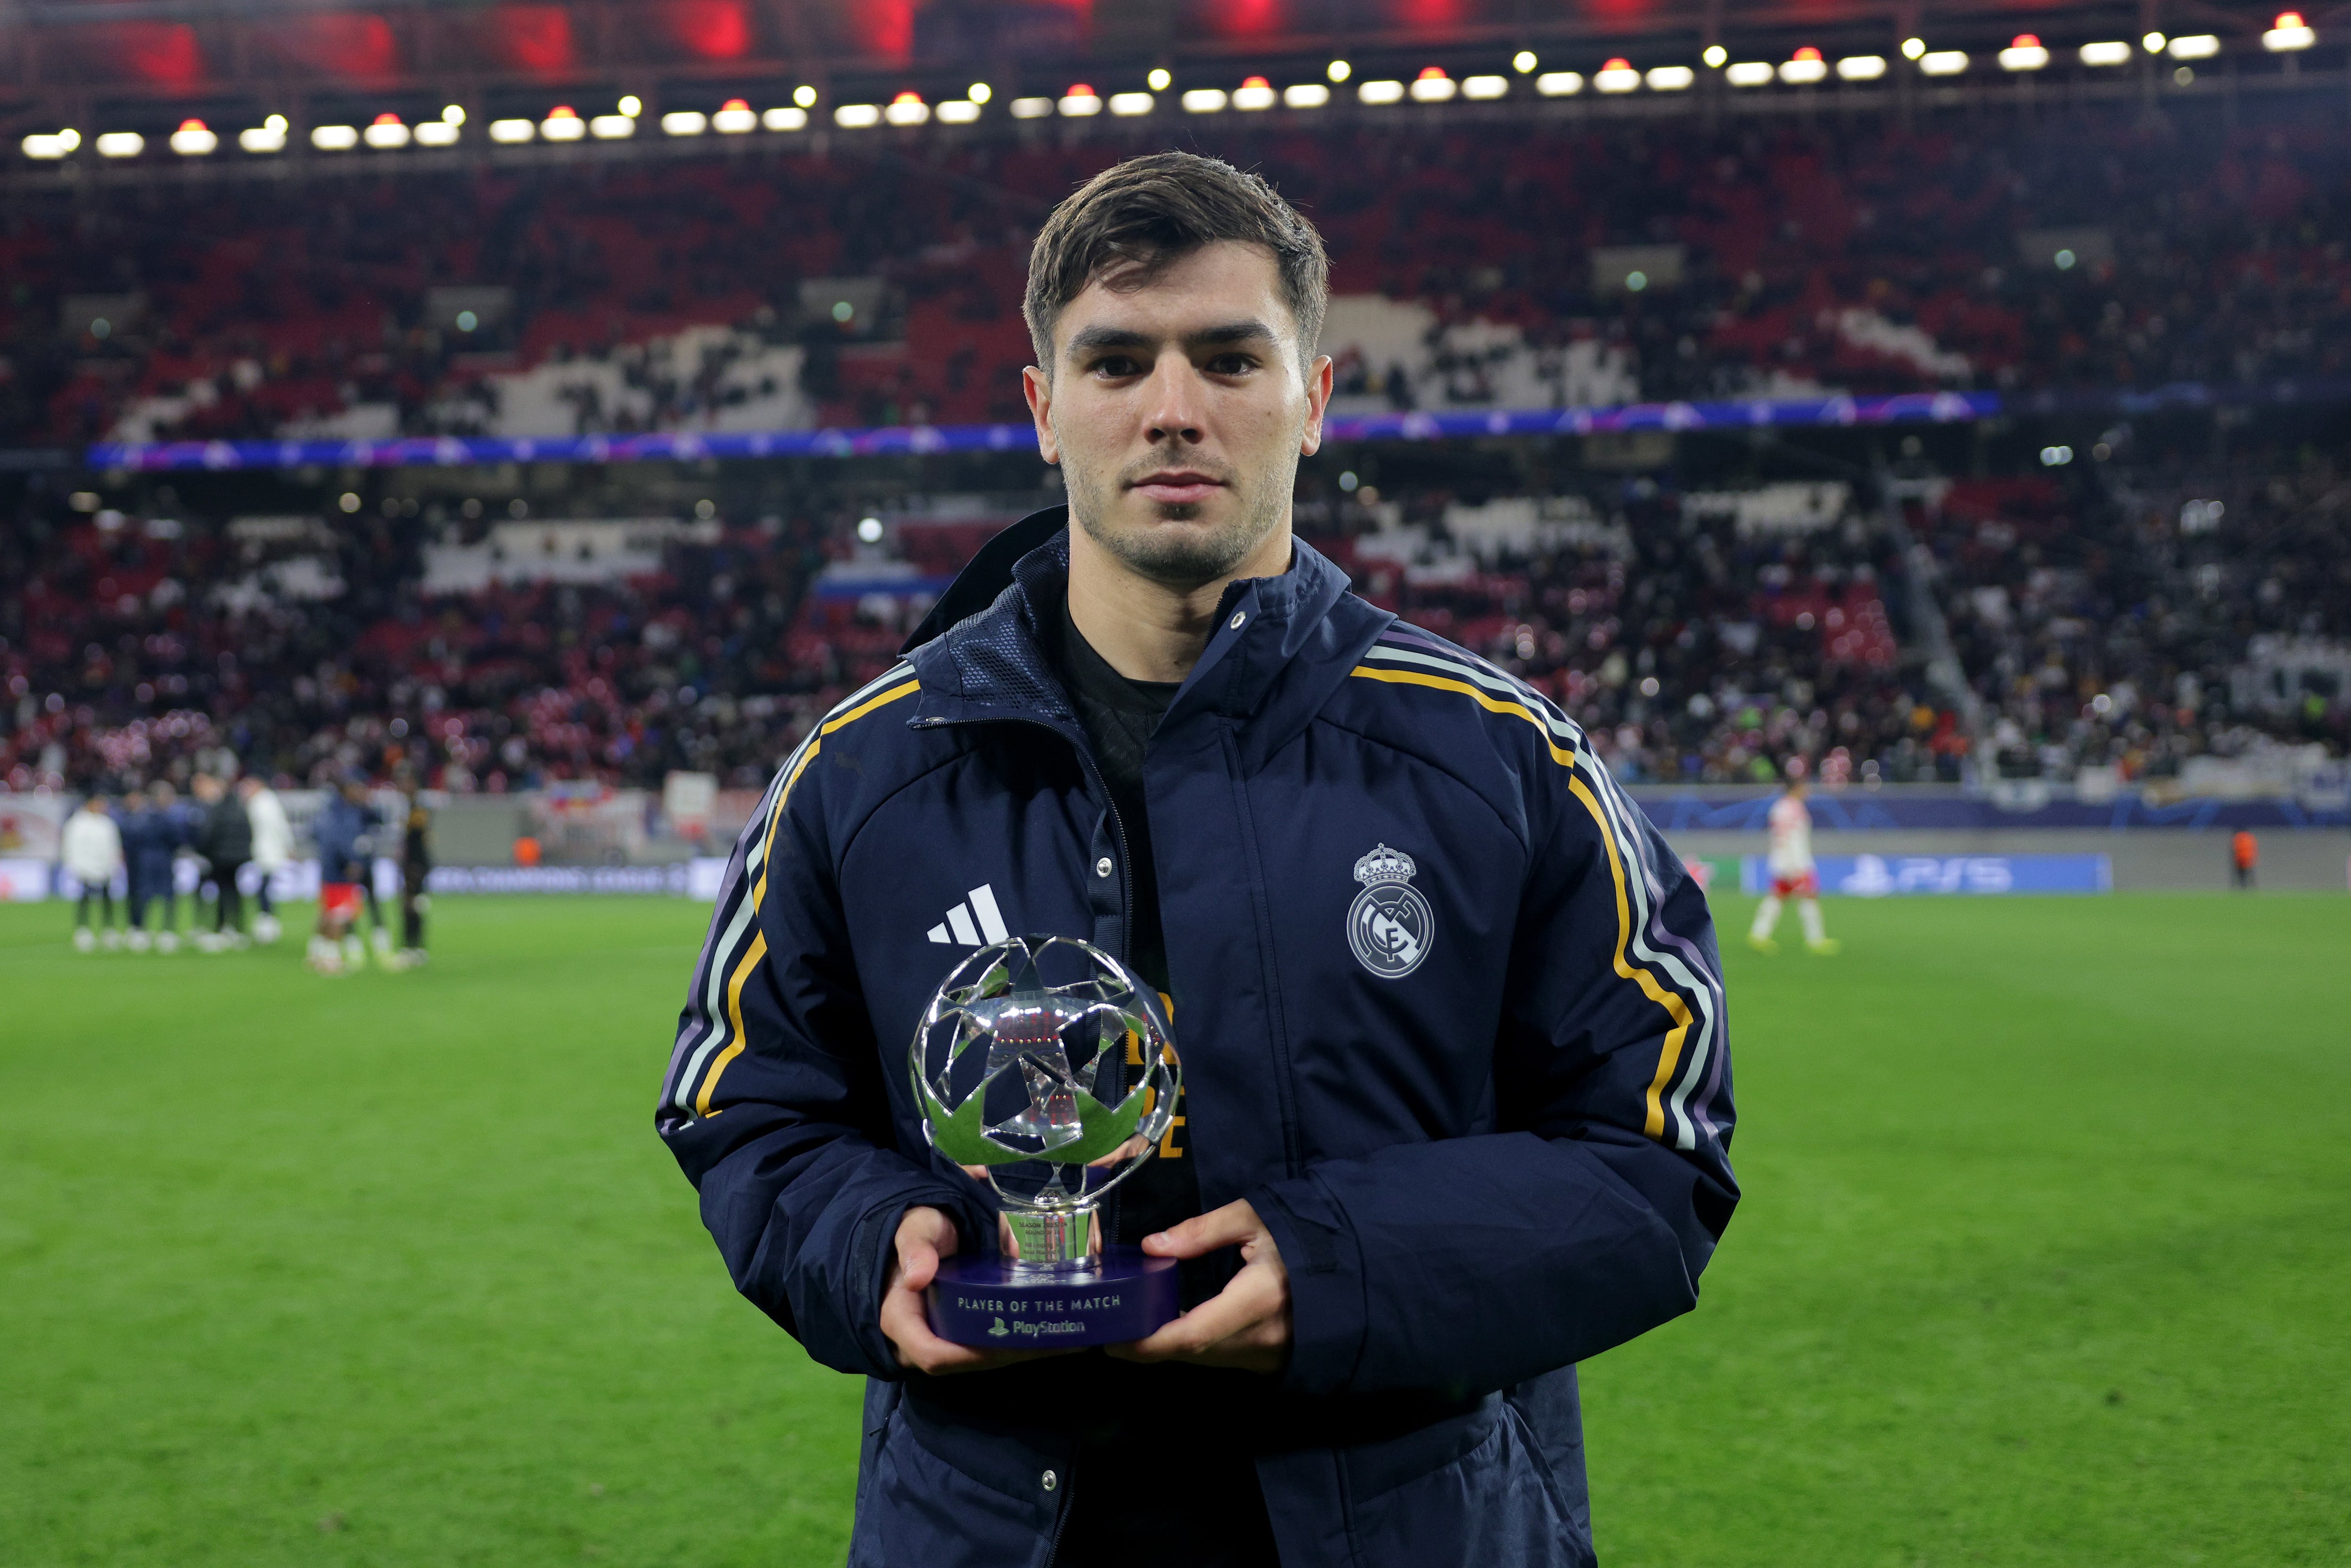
1510,265
1705,636
2111,620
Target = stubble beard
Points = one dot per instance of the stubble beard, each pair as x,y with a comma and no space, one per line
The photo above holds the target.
1184,559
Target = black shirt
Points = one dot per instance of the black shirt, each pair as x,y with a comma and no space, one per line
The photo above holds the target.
1179,1487
1119,716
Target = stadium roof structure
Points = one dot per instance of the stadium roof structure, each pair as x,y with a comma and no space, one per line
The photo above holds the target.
67,59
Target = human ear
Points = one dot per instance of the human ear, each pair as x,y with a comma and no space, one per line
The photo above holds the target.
1317,399
1038,388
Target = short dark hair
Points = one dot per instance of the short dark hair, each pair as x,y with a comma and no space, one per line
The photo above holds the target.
1151,211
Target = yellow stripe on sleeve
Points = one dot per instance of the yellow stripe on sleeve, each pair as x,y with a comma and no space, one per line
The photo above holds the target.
1492,704
758,947
750,961
1670,1055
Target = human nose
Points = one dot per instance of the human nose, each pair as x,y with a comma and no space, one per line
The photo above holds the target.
1174,401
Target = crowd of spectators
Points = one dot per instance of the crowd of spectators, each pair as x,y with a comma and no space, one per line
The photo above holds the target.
2064,253
1690,644
2114,624
2130,621
132,648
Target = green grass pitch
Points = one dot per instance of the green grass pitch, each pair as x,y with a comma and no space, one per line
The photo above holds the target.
2042,1259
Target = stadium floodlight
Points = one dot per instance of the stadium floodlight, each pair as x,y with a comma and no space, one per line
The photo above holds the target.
1432,85
2291,32
1338,70
788,118
1559,84
1204,101
1255,94
2153,43
1913,47
2195,47
563,124
1160,79
736,117
1131,103
1804,67
1670,78
194,139
436,134
1385,91
267,137
1616,75
386,131
694,123
848,116
1943,62
907,108
2025,52
56,145
506,132
1080,101
120,144
1714,56
1485,87
979,92
804,96
1031,108
2107,53
1306,95
608,127
629,106
953,111
343,138
1861,68
1751,73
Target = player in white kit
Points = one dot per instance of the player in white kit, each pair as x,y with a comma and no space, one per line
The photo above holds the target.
1792,876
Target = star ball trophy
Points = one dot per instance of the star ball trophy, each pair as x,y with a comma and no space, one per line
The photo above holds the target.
1043,1066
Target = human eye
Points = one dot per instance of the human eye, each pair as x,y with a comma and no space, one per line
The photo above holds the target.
1117,367
1232,363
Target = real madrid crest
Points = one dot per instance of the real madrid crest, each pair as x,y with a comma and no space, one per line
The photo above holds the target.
1389,925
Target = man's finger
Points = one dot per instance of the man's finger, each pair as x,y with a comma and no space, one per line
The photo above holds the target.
1252,1296
907,1328
1226,1227
918,1264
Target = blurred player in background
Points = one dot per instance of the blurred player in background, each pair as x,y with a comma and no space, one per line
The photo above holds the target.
1792,875
347,832
92,852
416,865
222,835
273,847
2244,854
151,835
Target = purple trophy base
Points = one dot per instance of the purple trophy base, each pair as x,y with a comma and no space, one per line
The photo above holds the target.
1122,1295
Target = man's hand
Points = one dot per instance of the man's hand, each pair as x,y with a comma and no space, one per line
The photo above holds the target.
1244,1325
924,1236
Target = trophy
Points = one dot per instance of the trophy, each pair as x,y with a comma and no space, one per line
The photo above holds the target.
1043,1067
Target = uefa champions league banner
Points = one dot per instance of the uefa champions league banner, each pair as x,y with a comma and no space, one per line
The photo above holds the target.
1888,876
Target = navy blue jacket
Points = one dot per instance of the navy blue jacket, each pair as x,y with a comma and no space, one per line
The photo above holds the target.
1488,1136
344,835
152,838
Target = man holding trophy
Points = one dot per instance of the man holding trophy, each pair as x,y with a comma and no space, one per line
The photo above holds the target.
1213,1055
